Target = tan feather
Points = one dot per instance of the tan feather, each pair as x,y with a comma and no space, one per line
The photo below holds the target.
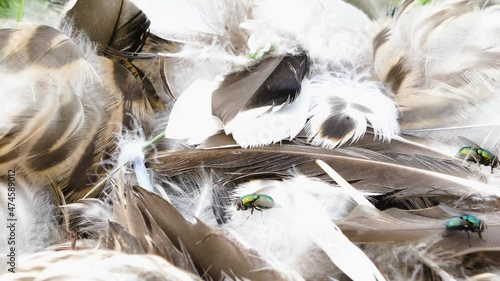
416,55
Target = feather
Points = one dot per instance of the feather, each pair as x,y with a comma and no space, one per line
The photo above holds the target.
486,135
375,172
409,144
341,110
191,117
96,265
202,242
270,106
288,234
399,225
153,239
122,227
271,83
375,8
67,110
424,235
123,27
88,217
30,215
326,30
418,55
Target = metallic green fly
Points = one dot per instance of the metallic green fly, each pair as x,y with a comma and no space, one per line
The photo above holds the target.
475,154
254,202
467,223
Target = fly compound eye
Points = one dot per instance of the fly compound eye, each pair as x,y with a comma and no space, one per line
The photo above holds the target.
238,204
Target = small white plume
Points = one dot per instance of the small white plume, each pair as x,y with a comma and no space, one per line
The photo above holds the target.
269,125
191,117
342,108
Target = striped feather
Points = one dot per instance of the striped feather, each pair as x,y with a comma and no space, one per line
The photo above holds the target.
62,119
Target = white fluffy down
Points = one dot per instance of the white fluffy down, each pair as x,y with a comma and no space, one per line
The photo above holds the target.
327,29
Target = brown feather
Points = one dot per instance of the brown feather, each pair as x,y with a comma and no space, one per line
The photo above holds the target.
214,252
68,118
272,82
116,24
402,176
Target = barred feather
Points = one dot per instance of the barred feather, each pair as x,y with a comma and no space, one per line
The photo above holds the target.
86,98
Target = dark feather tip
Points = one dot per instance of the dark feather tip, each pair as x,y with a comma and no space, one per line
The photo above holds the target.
272,82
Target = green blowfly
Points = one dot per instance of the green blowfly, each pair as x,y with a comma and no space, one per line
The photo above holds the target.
254,202
475,154
467,223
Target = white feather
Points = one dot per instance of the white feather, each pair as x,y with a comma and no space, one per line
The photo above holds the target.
355,194
191,117
171,16
292,231
194,198
374,8
347,256
363,102
268,125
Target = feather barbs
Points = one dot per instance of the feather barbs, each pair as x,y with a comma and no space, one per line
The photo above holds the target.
341,110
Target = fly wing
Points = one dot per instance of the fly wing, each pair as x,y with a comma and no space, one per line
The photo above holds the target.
468,142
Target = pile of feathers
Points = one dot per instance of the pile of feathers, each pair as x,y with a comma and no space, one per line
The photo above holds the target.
250,140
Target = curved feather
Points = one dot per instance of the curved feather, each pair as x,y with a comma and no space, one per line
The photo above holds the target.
263,105
416,55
